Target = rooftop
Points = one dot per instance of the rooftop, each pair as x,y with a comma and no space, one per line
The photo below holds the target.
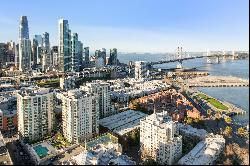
123,122
205,152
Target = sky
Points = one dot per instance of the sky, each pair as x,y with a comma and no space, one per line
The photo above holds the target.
135,25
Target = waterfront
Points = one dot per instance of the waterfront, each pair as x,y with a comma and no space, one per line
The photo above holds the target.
238,96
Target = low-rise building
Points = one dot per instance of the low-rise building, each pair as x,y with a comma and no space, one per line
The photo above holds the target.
205,152
103,150
124,122
67,83
189,131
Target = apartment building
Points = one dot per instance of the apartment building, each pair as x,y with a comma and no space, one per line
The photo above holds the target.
102,90
160,139
35,110
80,114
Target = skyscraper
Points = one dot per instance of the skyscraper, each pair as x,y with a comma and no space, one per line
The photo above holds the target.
86,53
113,57
23,28
103,54
76,58
39,39
64,49
46,55
24,55
35,109
34,46
24,45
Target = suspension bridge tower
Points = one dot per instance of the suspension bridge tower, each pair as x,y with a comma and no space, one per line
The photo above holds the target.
179,56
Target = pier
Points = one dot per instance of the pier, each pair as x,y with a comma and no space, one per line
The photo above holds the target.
217,81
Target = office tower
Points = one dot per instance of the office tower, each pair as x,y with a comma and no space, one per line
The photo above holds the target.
11,50
23,28
99,61
103,55
64,49
76,58
24,45
34,46
160,139
140,70
39,40
35,109
80,115
39,54
86,53
103,92
46,56
54,53
17,56
113,57
3,50
24,55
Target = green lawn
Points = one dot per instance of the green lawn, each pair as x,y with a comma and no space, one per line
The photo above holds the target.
213,102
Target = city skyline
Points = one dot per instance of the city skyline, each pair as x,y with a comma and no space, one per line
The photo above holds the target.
137,26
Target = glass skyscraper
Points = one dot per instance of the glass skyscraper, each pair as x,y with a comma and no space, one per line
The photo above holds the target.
64,49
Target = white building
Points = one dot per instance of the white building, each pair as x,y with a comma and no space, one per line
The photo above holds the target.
102,89
159,139
80,115
67,83
123,122
103,150
205,152
189,131
140,70
24,55
35,110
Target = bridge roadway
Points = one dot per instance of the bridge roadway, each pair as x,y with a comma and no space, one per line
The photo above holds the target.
186,58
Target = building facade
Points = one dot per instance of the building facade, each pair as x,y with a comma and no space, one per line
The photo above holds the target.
64,48
160,139
24,45
113,57
46,54
140,70
80,115
103,92
35,109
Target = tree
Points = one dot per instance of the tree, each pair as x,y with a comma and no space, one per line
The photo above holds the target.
209,112
217,118
228,130
228,120
241,131
189,120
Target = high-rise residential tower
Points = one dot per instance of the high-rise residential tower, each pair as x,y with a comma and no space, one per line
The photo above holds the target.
64,48
80,115
35,109
140,70
24,45
160,139
86,53
103,92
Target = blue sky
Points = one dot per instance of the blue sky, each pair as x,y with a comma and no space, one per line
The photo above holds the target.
136,25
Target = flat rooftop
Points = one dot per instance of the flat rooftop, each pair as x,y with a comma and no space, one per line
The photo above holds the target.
205,152
123,122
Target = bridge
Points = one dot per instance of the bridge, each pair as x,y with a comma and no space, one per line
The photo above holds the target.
179,57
